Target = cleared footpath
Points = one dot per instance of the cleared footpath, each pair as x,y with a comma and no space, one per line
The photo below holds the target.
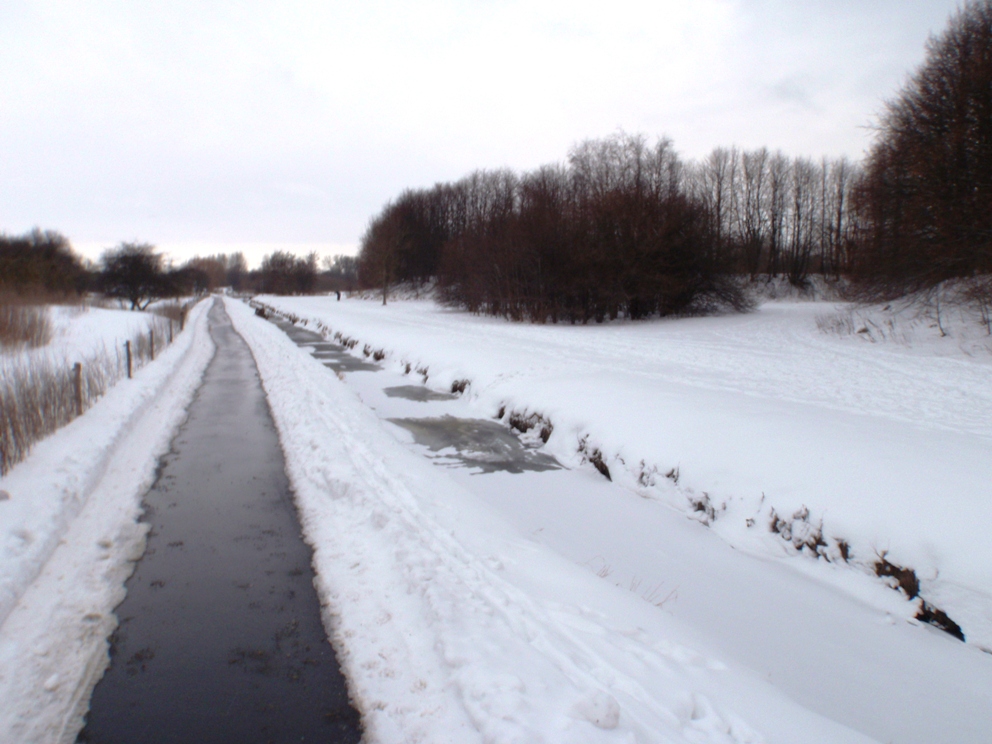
220,635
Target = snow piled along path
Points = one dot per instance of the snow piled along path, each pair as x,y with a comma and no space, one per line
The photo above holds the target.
69,529
452,627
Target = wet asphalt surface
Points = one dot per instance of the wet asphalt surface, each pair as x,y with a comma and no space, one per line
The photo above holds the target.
220,636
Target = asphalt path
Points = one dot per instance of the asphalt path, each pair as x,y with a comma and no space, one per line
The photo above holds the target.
220,636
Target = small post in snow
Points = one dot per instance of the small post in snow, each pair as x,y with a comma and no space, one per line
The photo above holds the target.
170,330
127,348
151,339
77,384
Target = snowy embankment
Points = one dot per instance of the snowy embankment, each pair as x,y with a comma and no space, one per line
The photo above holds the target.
453,627
68,525
784,439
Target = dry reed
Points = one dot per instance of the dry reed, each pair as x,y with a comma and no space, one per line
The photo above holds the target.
22,324
38,395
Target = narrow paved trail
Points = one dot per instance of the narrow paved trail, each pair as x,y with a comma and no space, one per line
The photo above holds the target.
220,636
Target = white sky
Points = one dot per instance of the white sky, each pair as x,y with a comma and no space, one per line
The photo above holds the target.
216,126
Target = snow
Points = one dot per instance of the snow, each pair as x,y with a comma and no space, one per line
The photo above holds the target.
82,332
453,626
558,606
69,529
830,635
889,445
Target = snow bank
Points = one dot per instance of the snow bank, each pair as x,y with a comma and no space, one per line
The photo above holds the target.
452,627
67,531
760,420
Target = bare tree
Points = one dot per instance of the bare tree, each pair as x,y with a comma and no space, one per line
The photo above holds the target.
926,199
779,177
133,272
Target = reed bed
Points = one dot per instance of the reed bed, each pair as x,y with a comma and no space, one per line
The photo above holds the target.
22,324
38,395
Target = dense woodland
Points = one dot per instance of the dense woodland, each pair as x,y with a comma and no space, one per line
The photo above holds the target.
625,227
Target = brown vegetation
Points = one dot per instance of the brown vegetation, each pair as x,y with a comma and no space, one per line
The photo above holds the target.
39,396
926,198
23,324
625,228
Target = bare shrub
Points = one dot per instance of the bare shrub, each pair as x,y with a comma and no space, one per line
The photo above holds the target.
905,578
800,532
939,619
594,456
524,422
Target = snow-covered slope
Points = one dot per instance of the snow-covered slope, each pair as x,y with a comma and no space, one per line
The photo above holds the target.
453,627
759,420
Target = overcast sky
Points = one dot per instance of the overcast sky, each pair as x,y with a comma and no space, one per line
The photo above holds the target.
216,126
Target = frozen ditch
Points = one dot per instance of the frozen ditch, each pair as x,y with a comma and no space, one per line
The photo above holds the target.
483,445
832,641
221,636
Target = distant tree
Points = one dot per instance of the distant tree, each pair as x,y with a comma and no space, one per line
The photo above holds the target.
133,272
190,279
340,273
749,211
926,197
803,205
237,271
40,262
779,178
282,272
211,272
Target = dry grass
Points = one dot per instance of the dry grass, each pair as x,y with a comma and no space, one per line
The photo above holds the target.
22,324
37,397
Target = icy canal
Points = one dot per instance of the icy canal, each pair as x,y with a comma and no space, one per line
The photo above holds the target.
220,636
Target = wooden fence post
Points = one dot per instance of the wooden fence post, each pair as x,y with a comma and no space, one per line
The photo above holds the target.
151,338
170,330
127,347
77,383
182,318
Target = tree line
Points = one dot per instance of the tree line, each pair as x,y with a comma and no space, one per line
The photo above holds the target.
41,266
625,227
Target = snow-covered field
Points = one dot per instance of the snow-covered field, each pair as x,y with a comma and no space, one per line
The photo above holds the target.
883,449
80,333
558,606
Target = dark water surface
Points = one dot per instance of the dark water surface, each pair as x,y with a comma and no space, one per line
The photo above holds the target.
487,446
331,354
220,636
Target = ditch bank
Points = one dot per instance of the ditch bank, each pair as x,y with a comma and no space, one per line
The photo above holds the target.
800,535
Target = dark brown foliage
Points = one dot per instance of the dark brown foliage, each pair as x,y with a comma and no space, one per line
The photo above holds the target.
133,272
40,264
926,199
284,273
615,233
